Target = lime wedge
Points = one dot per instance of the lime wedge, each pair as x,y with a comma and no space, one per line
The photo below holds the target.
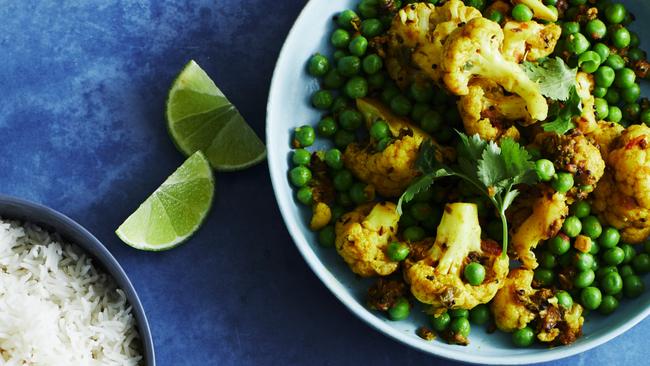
200,117
174,211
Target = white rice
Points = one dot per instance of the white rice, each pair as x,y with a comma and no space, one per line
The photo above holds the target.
56,308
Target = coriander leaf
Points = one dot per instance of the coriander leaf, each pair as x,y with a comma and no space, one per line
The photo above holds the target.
471,147
555,78
518,162
491,167
419,185
563,115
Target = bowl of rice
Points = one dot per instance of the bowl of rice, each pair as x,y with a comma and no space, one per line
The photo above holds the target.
64,299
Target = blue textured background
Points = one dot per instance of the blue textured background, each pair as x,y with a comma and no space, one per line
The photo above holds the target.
82,130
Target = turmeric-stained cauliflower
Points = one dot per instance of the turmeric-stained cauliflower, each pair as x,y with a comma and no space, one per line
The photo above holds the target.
438,279
586,121
488,112
417,35
622,198
391,170
474,51
363,235
574,153
548,214
517,304
605,135
540,10
321,216
529,40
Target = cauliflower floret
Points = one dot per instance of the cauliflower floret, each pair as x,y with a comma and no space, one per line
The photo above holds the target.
605,135
548,214
509,304
417,35
363,235
529,40
622,198
390,171
438,278
321,216
486,111
474,50
517,304
575,154
540,10
586,122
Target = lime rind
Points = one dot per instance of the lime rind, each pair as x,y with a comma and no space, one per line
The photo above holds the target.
174,211
200,118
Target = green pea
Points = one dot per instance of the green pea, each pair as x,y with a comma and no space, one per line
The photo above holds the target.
572,226
562,182
629,253
566,259
407,219
583,261
633,286
601,108
419,110
478,4
368,9
338,54
613,96
609,238
333,80
343,180
602,50
389,92
376,80
480,314
305,195
608,305
327,127
327,236
550,2
339,104
441,322
371,27
300,176
340,38
400,309
589,61
372,63
343,199
359,194
615,114
301,157
564,299
337,212
431,121
421,211
397,251
631,94
379,130
334,159
614,256
346,18
358,46
559,244
460,326
615,61
620,37
421,92
584,278
547,260
545,169
644,117
591,227
626,270
641,263
401,105
304,136
625,78
350,119
636,54
612,283
495,16
349,65
356,87
522,13
578,2
596,29
605,76
570,28
523,337
581,209
322,99
595,248
414,233
474,273
599,92
318,65
591,297
615,13
383,143
577,43
631,111
635,41
544,276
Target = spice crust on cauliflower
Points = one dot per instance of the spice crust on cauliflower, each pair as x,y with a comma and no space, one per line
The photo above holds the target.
529,40
363,235
438,279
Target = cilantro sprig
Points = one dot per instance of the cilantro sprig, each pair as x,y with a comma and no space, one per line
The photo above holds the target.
492,169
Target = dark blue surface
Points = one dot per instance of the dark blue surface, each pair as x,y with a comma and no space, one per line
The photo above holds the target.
82,130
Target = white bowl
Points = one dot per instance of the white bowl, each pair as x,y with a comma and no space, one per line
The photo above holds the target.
289,107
